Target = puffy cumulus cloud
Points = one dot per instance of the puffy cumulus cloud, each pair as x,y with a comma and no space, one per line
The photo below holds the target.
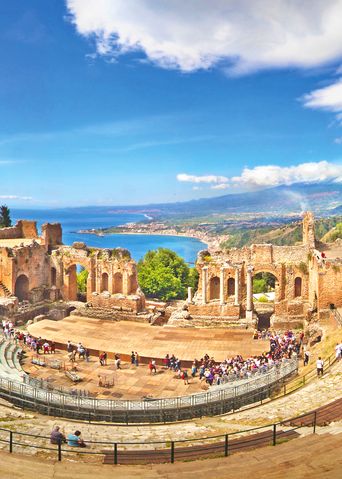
328,98
272,175
197,34
183,177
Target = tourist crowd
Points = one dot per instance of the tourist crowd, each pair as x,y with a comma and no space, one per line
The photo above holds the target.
282,346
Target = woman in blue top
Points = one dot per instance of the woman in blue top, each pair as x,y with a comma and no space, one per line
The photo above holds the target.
75,440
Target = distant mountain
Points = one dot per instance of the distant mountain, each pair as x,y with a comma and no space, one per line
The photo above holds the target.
320,197
337,210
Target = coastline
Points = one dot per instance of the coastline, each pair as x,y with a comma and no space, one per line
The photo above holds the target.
200,237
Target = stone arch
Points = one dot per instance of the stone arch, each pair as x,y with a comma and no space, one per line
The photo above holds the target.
53,277
231,286
22,288
117,283
263,305
132,284
298,287
72,289
215,288
104,282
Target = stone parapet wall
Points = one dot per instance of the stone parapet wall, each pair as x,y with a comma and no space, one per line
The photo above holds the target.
22,229
133,303
215,309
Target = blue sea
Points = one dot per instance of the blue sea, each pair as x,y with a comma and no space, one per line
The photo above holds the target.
75,220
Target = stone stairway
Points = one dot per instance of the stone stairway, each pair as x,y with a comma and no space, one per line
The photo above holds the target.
5,291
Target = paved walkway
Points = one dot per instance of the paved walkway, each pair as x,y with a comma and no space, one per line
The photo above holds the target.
314,457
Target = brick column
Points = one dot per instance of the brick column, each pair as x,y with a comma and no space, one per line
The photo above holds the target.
237,287
249,288
222,279
204,284
189,294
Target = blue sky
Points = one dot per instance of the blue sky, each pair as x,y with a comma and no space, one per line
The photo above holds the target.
107,105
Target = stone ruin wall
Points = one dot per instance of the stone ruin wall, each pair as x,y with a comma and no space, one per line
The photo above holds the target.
50,269
30,261
112,276
326,284
263,258
51,235
22,229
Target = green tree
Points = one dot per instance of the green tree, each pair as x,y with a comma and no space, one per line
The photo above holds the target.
82,277
263,282
5,217
165,275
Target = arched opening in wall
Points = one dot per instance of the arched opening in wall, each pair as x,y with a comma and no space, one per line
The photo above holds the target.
104,282
215,288
117,283
264,284
22,288
77,279
298,287
132,284
231,286
53,276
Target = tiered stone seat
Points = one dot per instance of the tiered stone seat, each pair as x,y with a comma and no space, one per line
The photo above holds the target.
10,367
16,360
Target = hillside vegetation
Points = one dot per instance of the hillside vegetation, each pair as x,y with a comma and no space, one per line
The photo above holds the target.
326,229
334,234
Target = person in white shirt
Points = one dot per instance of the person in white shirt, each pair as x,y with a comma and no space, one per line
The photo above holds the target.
319,366
338,351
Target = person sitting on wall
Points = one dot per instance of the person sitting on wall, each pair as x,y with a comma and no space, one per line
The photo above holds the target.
75,440
56,436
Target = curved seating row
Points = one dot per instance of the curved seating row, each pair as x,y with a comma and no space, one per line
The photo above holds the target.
10,366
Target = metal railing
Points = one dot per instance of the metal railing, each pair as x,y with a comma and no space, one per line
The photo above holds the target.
133,452
218,400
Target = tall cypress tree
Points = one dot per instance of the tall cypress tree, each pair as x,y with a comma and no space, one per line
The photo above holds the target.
5,216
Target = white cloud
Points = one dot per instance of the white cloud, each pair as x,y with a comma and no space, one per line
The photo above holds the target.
271,175
338,140
220,186
184,177
328,98
198,34
15,197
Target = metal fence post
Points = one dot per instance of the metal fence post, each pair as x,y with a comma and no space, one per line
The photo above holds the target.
172,452
226,450
274,434
115,454
59,450
11,441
